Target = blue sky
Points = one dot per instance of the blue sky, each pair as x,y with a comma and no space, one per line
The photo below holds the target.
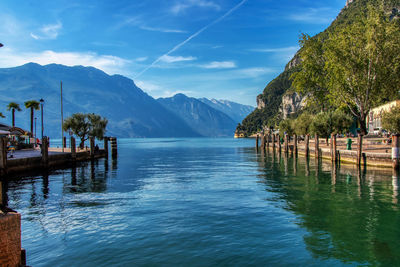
224,49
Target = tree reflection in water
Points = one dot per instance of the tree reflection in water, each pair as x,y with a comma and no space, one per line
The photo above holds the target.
353,222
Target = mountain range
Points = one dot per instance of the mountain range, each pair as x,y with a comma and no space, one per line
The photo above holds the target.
130,111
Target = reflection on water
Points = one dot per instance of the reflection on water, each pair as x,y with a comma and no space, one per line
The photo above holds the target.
350,214
208,202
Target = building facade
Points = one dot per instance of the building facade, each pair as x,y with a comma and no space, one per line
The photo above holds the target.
374,121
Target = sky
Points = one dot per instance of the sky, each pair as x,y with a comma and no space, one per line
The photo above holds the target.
223,49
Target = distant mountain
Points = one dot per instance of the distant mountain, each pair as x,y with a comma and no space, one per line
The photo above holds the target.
130,111
234,110
203,118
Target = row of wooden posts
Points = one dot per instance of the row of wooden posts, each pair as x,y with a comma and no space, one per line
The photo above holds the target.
45,151
275,138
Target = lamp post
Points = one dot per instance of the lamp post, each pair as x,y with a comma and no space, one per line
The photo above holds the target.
41,107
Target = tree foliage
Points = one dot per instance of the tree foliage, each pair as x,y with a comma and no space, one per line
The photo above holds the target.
32,105
357,64
85,126
302,124
286,126
331,122
391,120
13,107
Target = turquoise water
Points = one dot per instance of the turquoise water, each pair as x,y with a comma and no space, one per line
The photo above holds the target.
205,202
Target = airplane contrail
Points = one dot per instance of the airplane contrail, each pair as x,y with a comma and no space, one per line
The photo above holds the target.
191,37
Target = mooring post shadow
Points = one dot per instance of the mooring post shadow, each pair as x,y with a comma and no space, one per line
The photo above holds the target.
395,151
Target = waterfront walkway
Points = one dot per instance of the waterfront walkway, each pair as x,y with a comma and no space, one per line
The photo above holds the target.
31,153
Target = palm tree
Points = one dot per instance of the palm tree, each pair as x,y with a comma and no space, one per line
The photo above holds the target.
13,106
32,104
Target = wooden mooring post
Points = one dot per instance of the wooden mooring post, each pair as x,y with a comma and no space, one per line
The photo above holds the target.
279,143
395,151
3,156
73,149
92,147
257,142
106,146
295,149
273,142
359,149
286,145
263,142
316,146
333,148
45,151
306,144
114,147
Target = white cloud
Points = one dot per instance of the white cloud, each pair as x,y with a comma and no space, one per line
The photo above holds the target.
314,15
252,72
137,21
172,59
48,31
181,7
277,50
141,59
107,63
152,29
219,65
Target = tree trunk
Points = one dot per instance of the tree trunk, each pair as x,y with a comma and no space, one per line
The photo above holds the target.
363,126
82,144
32,121
13,117
327,141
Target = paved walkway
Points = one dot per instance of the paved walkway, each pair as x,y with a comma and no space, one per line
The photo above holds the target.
29,153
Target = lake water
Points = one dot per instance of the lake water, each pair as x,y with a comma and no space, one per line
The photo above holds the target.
205,202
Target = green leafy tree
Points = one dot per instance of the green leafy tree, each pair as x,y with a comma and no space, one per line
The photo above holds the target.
85,126
302,124
391,120
322,125
32,105
1,115
13,107
357,64
341,121
286,126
